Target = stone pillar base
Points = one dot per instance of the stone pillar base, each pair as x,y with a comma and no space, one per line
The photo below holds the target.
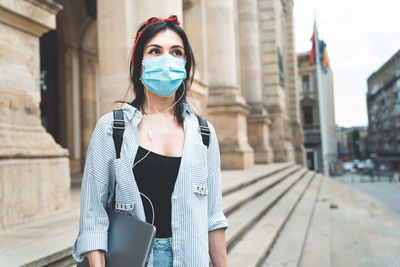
237,160
228,114
282,146
31,188
284,153
34,169
300,155
298,143
258,133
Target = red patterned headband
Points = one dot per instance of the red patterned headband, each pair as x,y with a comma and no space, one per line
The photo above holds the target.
172,18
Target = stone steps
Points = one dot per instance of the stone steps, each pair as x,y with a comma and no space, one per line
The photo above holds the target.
318,236
279,214
255,244
48,241
293,234
234,180
243,219
40,242
242,195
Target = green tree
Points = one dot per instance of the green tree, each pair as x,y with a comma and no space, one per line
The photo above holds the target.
356,143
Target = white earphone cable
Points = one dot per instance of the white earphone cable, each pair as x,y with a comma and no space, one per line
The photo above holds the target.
151,141
150,134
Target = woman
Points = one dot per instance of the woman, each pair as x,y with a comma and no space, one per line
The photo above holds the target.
162,156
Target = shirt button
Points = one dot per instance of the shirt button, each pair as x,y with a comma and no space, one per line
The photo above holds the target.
176,226
174,198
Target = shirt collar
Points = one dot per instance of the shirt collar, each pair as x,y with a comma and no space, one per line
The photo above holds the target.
131,111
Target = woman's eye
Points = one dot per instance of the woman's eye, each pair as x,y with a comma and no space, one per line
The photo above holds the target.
177,53
154,51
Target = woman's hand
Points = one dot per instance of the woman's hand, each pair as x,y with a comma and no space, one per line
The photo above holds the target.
96,258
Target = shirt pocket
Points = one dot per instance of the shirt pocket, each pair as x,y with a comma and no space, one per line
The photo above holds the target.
126,191
199,169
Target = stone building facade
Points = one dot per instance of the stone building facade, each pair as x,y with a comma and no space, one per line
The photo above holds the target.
311,118
383,104
65,62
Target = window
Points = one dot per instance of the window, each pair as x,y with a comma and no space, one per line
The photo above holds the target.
397,94
305,81
397,108
308,115
385,113
373,117
281,73
386,124
386,146
374,88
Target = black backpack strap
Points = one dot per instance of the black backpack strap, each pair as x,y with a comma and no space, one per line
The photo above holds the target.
118,134
204,130
118,130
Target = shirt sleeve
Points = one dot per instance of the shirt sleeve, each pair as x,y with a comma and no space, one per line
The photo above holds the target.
93,222
216,217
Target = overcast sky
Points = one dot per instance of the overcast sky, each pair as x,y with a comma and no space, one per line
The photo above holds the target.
361,35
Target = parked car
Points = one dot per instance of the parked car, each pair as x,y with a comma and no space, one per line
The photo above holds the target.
348,166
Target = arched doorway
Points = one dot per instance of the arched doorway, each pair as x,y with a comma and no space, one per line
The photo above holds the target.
69,103
49,111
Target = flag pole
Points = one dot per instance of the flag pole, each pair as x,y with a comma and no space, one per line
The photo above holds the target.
322,103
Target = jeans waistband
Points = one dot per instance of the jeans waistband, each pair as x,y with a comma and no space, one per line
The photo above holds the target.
162,243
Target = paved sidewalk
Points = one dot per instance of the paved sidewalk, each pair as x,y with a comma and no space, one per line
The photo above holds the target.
388,193
363,230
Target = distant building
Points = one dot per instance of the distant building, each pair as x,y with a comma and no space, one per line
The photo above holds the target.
310,115
383,103
349,143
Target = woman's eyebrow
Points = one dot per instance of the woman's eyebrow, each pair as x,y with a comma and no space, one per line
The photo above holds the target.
156,45
176,46
159,46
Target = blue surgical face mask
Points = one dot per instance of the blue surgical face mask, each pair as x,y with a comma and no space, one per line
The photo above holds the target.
163,75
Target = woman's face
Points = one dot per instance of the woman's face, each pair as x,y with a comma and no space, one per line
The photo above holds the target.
165,42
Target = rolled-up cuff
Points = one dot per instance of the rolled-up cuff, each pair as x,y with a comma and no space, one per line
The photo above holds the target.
87,242
217,220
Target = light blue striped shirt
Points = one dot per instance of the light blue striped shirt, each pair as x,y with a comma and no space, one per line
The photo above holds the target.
196,206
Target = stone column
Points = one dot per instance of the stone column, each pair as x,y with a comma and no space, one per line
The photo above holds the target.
258,120
116,27
195,27
34,170
158,8
89,94
271,42
293,89
227,108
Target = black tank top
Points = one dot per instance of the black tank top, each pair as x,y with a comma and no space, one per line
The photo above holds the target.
155,176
